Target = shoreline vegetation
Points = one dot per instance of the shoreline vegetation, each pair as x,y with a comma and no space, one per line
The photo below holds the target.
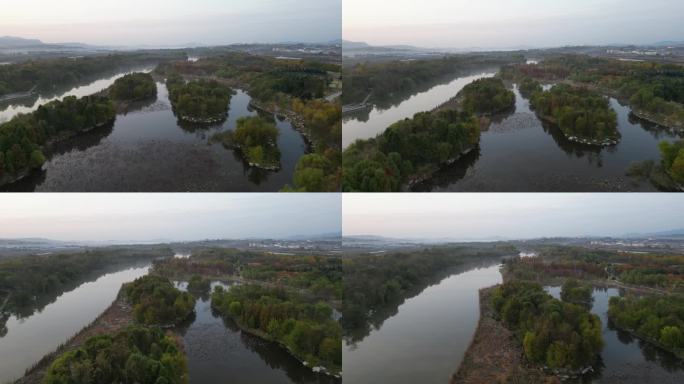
412,150
136,310
302,91
305,330
494,354
256,140
26,138
198,101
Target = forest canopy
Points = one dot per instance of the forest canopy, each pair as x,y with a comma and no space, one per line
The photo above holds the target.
306,328
557,334
156,301
487,96
133,355
581,114
199,101
411,148
134,87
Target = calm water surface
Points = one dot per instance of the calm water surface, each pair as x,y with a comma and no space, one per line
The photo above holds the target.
365,127
519,153
29,339
427,338
218,352
148,150
626,359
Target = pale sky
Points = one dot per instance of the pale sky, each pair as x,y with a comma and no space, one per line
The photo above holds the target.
149,216
512,23
464,216
172,22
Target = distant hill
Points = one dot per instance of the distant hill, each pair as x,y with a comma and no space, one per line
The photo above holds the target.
673,233
18,42
354,45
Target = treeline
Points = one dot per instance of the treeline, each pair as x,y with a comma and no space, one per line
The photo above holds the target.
539,270
306,329
672,160
558,334
320,276
375,282
198,101
291,86
389,78
29,280
256,138
22,138
577,293
134,87
659,320
582,115
156,301
133,355
409,150
655,91
320,171
487,96
46,74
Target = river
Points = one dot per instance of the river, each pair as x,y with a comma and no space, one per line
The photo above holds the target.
219,352
147,150
519,153
28,339
360,126
426,339
625,359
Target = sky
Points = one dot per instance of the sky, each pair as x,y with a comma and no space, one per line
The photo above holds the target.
149,216
172,22
464,216
512,23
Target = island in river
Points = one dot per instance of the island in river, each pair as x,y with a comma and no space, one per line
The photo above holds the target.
181,307
640,278
106,157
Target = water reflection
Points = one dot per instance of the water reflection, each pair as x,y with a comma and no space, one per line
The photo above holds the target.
31,335
626,359
426,336
521,153
147,150
218,350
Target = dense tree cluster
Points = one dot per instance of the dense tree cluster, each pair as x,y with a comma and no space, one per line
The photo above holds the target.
385,79
307,329
199,284
133,87
487,96
654,90
578,112
257,139
33,281
320,276
657,319
46,74
133,355
409,148
529,87
373,283
200,100
558,334
289,85
575,292
320,171
22,138
672,159
157,302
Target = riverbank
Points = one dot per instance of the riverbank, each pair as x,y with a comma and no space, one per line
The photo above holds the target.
262,335
116,317
494,354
